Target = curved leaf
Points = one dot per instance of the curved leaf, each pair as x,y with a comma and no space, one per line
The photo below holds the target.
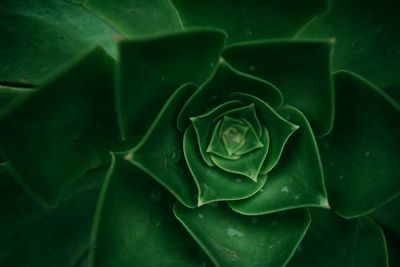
389,216
334,241
279,128
159,153
204,123
8,94
297,180
134,18
361,155
250,19
47,238
220,86
231,240
248,164
300,69
366,34
50,141
134,223
39,36
213,183
151,70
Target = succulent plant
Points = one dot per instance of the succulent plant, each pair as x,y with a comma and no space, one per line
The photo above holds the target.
199,133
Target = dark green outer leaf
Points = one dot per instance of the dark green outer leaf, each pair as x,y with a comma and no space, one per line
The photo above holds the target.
151,70
7,94
234,240
300,69
361,155
135,226
160,152
367,37
33,236
39,36
333,241
250,19
134,18
393,246
389,216
50,141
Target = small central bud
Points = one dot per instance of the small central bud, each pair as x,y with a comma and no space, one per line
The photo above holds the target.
233,134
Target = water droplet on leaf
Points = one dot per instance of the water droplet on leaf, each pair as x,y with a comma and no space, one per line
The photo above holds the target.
234,233
175,154
252,68
285,189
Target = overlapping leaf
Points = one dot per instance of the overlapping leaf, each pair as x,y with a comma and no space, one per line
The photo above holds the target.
135,225
64,129
39,36
361,154
250,20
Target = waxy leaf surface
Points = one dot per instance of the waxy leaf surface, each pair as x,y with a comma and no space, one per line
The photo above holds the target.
39,36
151,70
231,239
297,180
135,225
361,155
213,183
367,39
224,82
64,129
44,236
256,19
160,153
135,18
300,69
334,241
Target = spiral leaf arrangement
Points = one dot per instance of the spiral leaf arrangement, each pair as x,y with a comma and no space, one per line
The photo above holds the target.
228,133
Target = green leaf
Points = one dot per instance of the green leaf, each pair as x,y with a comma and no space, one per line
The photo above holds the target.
367,40
389,216
248,164
297,180
220,86
152,69
134,223
8,94
334,241
300,69
279,128
361,155
64,129
135,18
393,246
46,237
39,36
159,153
251,19
231,239
213,183
204,123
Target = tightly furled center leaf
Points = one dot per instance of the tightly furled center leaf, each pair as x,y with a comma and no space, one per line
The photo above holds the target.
233,138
